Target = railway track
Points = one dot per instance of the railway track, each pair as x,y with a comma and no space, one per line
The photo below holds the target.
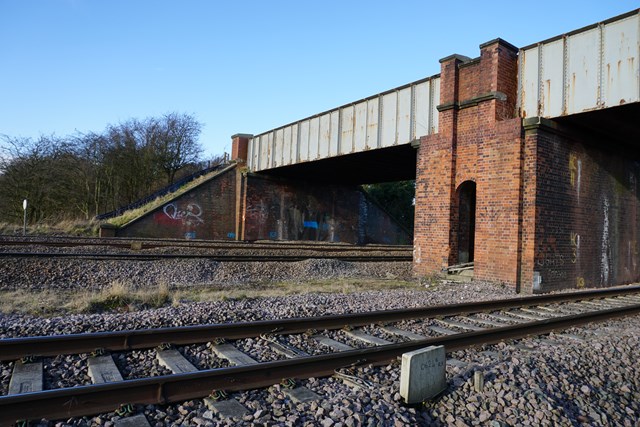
149,243
160,249
212,257
456,327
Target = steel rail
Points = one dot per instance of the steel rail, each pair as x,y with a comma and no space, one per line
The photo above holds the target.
202,244
53,345
92,399
213,257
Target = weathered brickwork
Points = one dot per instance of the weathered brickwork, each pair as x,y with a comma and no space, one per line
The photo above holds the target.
240,147
206,212
554,208
587,212
237,205
498,203
280,209
479,140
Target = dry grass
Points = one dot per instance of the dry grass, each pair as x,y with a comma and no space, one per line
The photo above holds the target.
42,303
118,297
339,286
75,227
10,229
122,297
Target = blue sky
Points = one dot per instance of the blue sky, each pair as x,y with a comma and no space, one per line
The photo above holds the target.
248,66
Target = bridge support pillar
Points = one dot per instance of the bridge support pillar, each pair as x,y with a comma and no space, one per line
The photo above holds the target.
479,141
240,147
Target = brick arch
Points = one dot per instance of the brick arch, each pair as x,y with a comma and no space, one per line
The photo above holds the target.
464,222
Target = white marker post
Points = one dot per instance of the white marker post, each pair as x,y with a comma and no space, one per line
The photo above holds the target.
24,222
422,374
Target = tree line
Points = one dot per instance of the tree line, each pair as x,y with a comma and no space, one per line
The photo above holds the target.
86,174
82,175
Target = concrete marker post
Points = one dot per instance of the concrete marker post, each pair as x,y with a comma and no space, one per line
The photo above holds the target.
478,381
423,374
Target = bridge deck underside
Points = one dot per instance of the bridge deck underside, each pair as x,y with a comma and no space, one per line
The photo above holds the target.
616,128
396,163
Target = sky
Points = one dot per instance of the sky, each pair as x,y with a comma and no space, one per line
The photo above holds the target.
77,66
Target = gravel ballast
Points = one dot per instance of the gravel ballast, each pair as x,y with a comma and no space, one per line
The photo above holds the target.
62,274
582,376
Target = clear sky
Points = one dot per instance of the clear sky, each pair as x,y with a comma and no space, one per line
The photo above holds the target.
241,66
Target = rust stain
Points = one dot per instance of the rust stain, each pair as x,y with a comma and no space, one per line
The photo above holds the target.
548,98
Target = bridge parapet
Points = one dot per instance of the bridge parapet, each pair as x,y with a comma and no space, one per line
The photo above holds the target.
395,117
591,68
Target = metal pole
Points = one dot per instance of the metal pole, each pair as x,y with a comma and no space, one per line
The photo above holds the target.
24,222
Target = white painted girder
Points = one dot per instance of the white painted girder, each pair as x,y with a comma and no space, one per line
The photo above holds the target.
592,68
395,117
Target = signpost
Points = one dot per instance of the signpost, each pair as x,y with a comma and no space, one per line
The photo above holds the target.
24,222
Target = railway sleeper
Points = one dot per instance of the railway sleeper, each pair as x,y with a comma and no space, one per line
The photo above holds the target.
543,313
527,315
102,369
174,361
598,304
26,377
504,318
134,421
401,332
461,325
367,338
489,322
286,350
233,355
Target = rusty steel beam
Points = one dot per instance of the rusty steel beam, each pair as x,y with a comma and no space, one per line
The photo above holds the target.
86,400
15,348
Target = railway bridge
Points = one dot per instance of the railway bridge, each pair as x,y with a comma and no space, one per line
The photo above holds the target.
526,159
526,162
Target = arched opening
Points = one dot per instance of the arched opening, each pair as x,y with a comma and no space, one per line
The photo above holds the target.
466,221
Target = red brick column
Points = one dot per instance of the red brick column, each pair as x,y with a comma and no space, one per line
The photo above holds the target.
479,139
240,147
528,220
435,178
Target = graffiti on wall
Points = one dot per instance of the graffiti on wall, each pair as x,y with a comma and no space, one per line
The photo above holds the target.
187,214
606,250
575,247
551,260
575,172
304,223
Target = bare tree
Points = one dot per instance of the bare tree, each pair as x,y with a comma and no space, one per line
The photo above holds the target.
176,142
85,174
38,170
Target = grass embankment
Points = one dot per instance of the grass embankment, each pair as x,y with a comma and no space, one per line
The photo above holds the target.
78,227
132,214
90,228
122,297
